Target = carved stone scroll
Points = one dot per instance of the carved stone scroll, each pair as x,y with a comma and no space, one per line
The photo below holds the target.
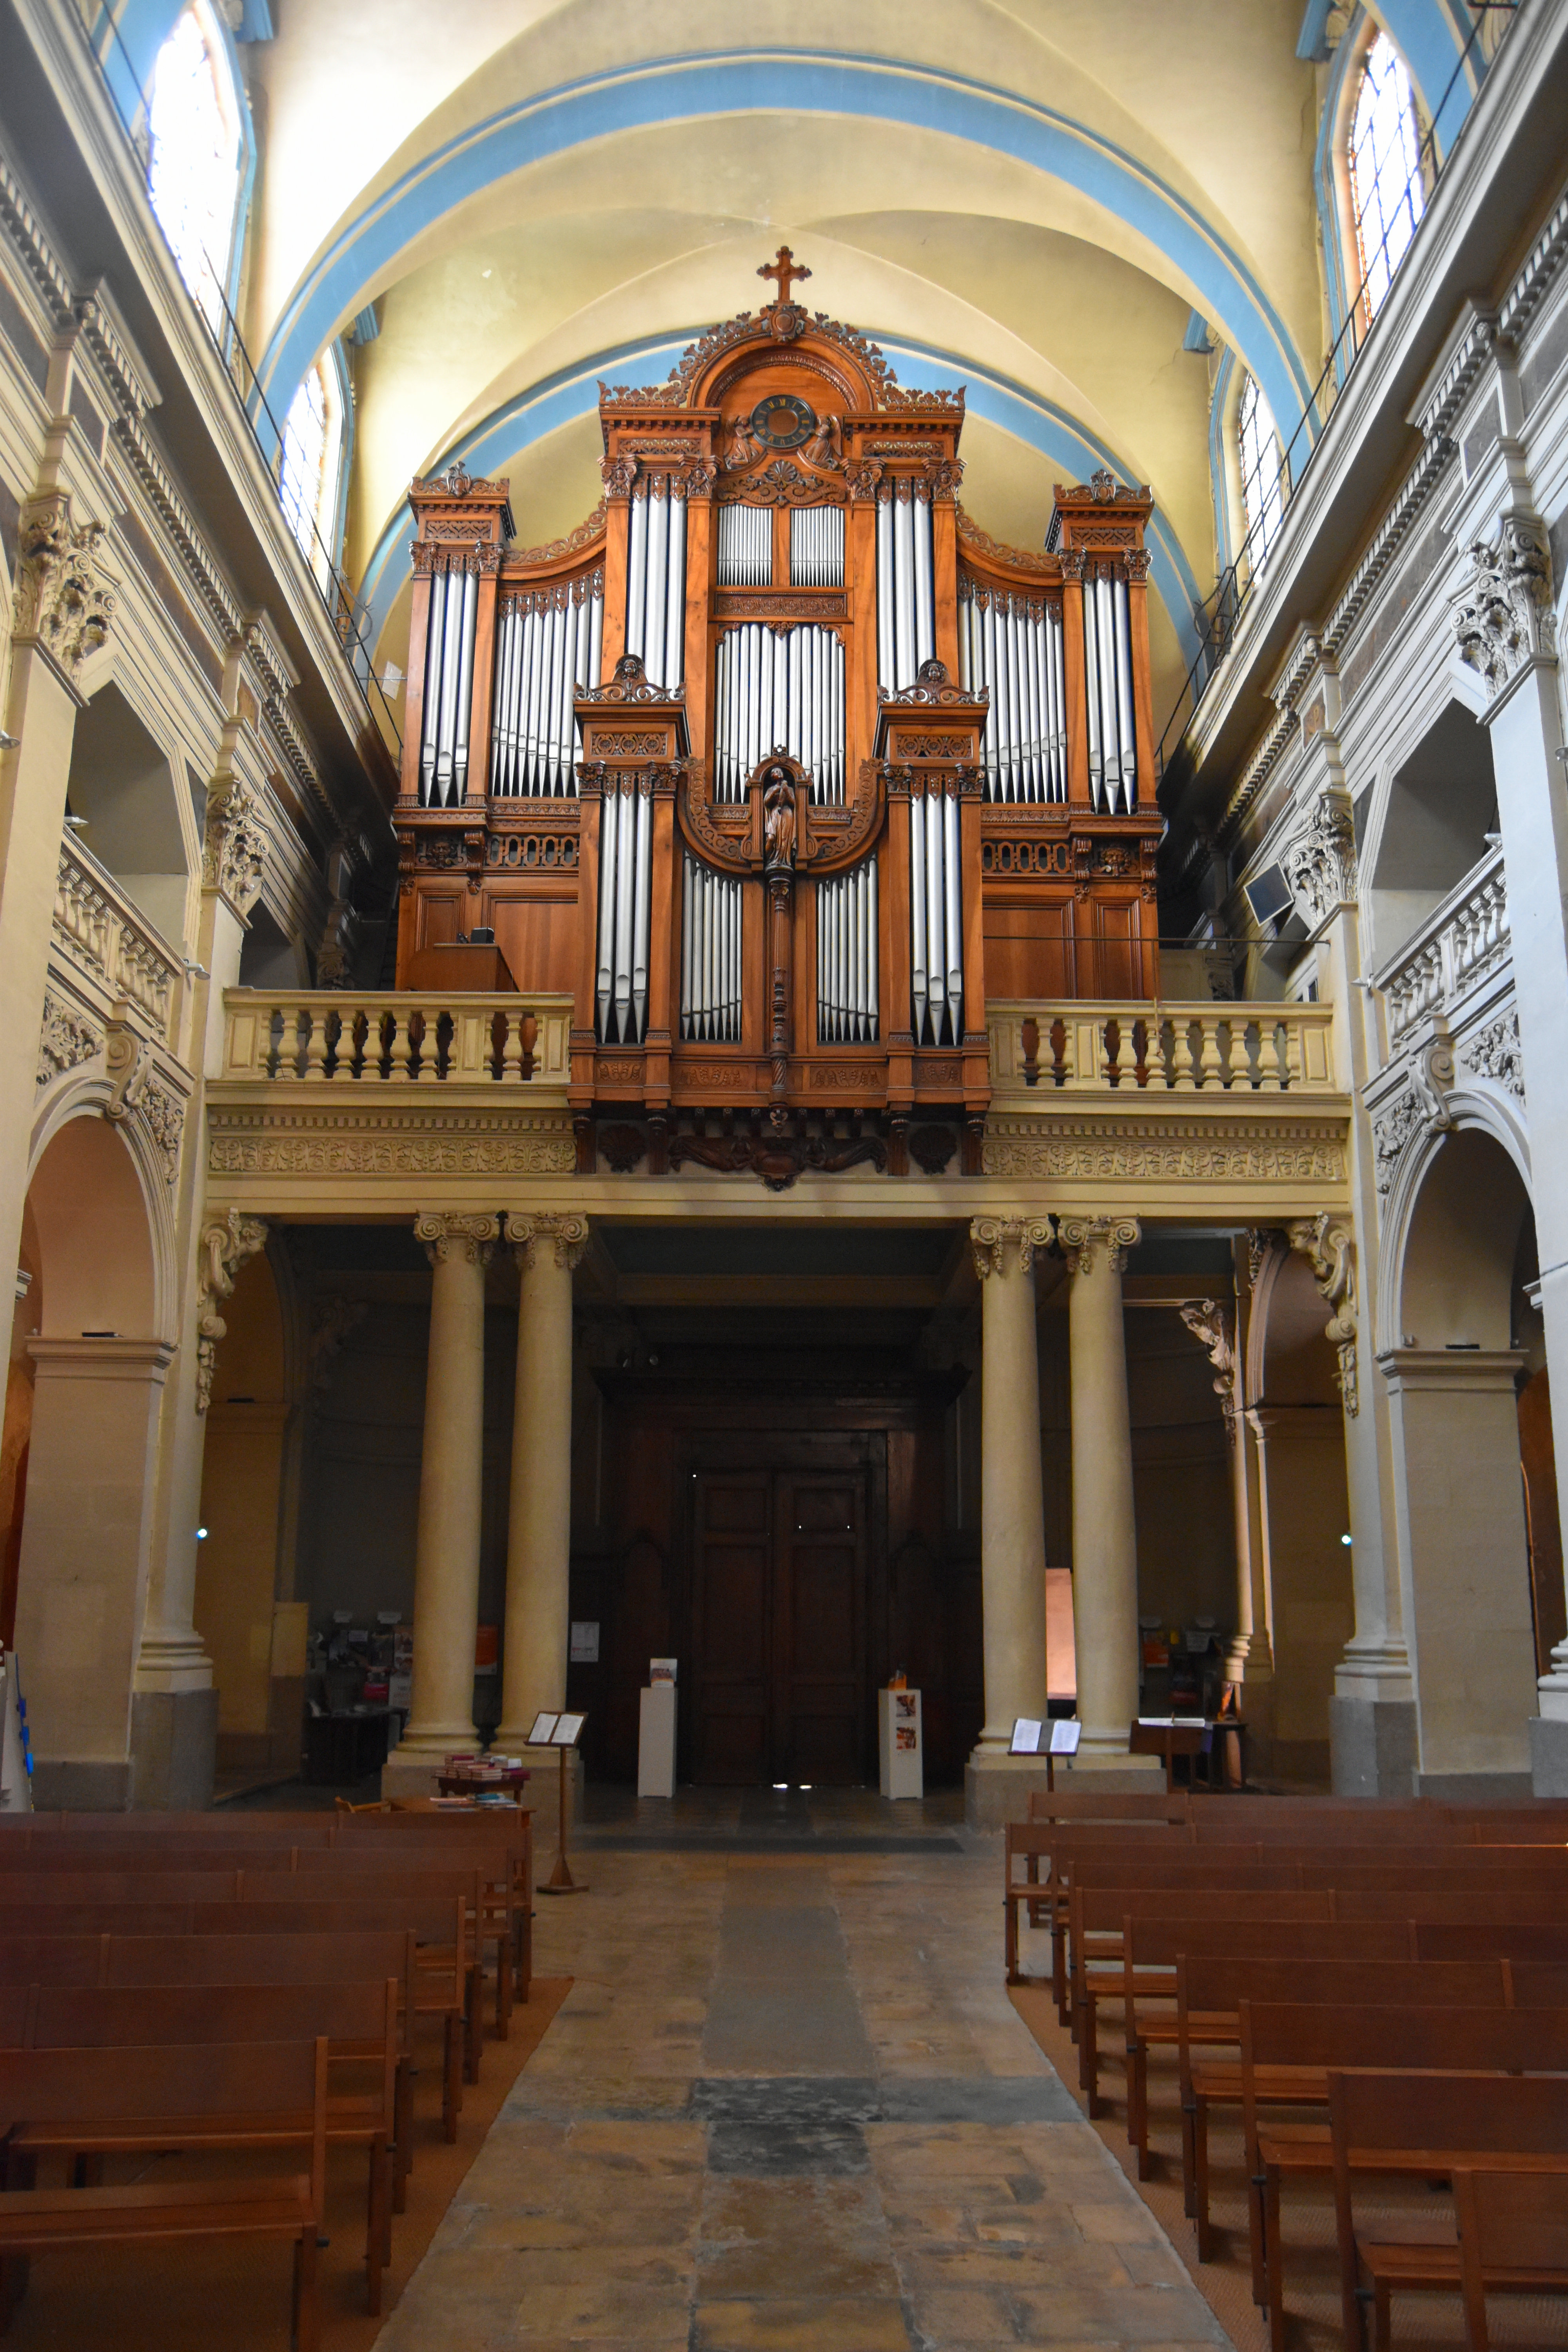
1328,1244
226,1243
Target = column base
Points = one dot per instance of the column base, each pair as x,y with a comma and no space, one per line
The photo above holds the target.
1371,1744
174,1749
432,1743
1549,1755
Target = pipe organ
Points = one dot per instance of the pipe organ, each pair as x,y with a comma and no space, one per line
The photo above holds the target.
778,765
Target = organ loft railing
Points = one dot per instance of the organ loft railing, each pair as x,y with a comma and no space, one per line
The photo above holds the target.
778,765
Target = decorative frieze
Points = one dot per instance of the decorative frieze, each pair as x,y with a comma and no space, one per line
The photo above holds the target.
1495,1052
468,1144
65,1039
1162,1151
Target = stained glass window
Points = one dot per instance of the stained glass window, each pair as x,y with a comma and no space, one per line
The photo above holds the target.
1387,194
197,152
1262,470
312,450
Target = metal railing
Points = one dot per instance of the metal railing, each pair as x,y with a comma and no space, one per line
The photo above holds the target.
1219,614
345,609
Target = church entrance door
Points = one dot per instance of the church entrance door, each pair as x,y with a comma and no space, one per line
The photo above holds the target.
778,1627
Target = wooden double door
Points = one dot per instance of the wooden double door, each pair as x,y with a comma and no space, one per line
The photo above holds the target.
778,1626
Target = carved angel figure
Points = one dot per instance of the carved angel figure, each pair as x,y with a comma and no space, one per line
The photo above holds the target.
826,446
778,817
743,444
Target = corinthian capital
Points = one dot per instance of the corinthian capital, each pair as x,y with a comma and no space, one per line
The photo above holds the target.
989,1238
565,1228
1090,1241
233,852
468,1237
63,601
1502,612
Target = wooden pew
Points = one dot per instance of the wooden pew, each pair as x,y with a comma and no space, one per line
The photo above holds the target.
1153,1952
1289,2050
1513,2239
1427,2127
357,2021
247,2087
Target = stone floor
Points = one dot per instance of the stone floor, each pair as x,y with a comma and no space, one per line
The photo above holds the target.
788,2103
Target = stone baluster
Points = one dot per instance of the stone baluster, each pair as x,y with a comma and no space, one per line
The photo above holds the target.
399,1054
1211,1070
539,1525
1104,1536
316,1045
446,1542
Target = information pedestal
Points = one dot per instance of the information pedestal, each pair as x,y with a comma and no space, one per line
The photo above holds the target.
656,1742
900,1744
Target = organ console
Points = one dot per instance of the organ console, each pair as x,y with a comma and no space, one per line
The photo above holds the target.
777,764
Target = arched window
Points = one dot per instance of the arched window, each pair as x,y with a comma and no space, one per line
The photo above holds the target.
196,162
1387,193
1262,470
313,462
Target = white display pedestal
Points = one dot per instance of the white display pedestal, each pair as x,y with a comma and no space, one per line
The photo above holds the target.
901,1761
656,1742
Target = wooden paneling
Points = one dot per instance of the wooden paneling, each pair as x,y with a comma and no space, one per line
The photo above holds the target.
536,931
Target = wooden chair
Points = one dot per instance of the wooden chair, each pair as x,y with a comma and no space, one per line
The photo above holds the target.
357,2021
247,2087
1426,2128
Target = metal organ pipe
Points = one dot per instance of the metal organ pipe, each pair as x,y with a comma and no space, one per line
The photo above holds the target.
549,641
655,578
936,919
449,689
709,954
1108,678
906,613
1012,646
847,999
787,689
816,547
746,547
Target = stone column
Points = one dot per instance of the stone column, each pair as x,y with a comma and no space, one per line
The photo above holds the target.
1104,1538
447,1544
1012,1514
174,1704
1502,619
1249,1663
1012,1505
539,1524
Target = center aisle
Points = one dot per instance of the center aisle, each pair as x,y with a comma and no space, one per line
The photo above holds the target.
788,2103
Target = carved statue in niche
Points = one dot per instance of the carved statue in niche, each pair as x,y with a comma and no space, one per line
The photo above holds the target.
778,817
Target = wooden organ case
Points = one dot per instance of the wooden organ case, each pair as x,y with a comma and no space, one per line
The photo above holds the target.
777,764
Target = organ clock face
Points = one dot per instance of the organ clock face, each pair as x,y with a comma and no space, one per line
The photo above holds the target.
782,421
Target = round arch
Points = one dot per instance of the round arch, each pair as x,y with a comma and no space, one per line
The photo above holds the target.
120,1148
1478,1109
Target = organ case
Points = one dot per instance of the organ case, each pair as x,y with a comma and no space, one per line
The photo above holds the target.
778,763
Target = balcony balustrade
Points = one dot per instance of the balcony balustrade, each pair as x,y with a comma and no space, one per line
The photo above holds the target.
1077,1048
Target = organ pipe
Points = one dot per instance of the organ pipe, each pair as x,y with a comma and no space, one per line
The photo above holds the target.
1107,680
846,947
549,643
626,834
816,547
709,954
746,547
785,689
449,689
936,919
655,578
906,610
1012,645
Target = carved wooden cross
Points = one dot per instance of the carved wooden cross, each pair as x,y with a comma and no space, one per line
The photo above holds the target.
786,270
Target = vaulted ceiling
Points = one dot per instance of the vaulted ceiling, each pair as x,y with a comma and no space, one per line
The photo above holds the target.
1030,197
